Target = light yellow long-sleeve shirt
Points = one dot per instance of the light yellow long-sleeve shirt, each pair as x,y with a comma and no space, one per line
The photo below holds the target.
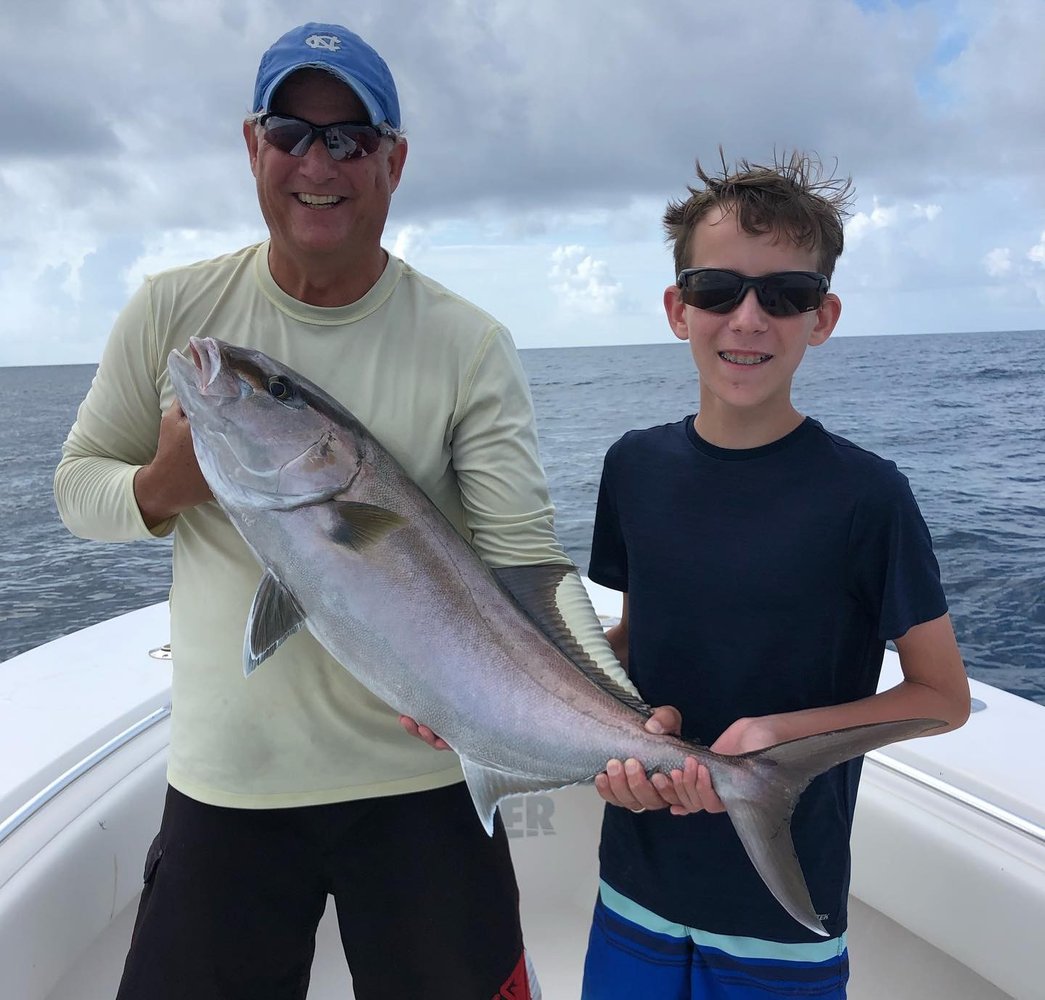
439,383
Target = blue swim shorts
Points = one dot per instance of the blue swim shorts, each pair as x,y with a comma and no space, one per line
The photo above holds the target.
632,952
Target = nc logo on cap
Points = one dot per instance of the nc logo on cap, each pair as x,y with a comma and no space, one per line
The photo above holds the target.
329,42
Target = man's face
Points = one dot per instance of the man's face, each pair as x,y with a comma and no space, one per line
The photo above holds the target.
313,204
746,358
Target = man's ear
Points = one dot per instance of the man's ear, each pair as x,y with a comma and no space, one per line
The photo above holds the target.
676,312
826,319
250,137
396,161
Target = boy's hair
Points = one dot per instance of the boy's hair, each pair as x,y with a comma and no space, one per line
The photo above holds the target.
791,197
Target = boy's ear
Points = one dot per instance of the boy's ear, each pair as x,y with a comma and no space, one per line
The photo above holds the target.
676,310
826,319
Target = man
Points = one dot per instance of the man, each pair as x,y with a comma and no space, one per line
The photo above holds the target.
298,782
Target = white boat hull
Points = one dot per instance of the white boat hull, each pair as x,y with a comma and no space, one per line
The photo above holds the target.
948,887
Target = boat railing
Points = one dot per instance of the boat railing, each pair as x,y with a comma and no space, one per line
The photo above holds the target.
67,777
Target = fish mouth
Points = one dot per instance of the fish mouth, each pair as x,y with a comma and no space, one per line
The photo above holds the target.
213,377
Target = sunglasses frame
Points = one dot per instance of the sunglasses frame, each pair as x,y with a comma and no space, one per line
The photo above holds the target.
762,291
326,133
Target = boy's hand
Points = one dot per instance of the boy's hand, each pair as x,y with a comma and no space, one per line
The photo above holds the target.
423,733
685,791
692,785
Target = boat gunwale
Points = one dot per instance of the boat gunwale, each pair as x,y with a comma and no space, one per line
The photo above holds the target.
33,805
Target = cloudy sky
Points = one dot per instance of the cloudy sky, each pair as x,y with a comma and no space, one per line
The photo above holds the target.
545,138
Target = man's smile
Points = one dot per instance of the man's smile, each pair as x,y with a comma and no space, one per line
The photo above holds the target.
318,200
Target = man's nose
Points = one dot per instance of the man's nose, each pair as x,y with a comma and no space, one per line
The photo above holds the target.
317,163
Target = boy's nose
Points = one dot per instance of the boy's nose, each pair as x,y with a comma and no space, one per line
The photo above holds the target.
749,314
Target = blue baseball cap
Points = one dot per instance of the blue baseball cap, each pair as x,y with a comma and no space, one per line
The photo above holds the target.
337,50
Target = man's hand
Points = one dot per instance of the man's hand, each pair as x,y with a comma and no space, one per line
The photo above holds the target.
172,481
423,733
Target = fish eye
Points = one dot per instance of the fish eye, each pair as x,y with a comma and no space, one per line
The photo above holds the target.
279,388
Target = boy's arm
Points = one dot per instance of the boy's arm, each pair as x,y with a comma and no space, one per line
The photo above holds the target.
935,686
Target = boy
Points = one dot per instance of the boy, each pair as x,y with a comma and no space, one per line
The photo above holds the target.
764,563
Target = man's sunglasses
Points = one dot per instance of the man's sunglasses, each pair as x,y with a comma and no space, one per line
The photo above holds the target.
344,140
783,293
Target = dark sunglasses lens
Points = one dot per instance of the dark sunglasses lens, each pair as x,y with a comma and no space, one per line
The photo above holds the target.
713,291
288,134
784,294
348,142
343,142
791,294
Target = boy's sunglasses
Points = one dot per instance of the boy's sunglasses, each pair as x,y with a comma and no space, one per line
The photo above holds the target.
783,293
344,140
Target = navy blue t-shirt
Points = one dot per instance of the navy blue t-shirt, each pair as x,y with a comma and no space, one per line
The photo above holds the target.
759,581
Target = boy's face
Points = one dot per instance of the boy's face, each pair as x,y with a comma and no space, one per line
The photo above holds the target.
746,358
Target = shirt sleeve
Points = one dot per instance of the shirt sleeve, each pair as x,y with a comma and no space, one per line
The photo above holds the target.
115,433
504,492
609,555
894,570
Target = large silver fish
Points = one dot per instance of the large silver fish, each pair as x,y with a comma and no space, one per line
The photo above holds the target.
355,551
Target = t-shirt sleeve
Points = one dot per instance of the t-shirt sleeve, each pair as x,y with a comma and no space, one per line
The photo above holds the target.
894,570
609,556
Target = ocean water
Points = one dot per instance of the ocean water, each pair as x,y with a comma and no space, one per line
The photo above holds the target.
961,415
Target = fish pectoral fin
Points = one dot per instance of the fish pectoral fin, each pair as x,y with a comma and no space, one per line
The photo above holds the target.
359,525
488,786
535,589
274,617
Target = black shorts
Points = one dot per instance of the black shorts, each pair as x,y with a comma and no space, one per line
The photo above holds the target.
427,904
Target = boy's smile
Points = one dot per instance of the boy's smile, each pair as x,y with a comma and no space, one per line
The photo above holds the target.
746,359
742,358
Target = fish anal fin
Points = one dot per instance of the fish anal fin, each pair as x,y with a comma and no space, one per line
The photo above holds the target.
534,589
360,525
274,617
488,786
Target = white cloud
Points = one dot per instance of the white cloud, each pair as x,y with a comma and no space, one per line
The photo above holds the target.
928,212
863,223
410,242
183,246
1037,252
131,160
582,283
998,262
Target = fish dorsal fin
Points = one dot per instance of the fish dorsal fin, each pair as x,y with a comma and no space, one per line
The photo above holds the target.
488,786
274,617
534,589
360,525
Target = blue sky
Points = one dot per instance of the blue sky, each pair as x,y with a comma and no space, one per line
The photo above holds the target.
545,139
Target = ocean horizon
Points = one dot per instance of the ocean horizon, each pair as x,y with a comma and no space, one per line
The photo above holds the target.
960,414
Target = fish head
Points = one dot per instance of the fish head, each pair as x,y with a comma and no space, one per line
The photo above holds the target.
265,437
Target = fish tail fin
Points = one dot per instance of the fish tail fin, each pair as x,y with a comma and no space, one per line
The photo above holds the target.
760,790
